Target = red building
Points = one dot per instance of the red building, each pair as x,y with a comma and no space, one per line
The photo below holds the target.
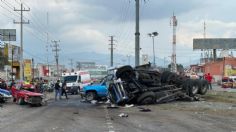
221,67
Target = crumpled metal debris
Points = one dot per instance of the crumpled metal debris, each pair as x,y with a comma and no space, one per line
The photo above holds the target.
123,115
112,106
94,102
128,106
144,109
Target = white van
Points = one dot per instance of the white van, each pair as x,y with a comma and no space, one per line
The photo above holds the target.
75,81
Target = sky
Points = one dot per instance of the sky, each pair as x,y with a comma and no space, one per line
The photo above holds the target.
84,26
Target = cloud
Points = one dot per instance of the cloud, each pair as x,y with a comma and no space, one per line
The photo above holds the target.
85,25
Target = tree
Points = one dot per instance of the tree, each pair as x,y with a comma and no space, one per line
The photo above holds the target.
180,67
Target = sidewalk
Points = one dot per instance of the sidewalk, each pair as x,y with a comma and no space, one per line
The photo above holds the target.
218,88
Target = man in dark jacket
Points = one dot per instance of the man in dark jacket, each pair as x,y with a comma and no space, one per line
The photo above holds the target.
57,90
63,90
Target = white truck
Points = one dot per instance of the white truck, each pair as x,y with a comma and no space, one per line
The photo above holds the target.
75,81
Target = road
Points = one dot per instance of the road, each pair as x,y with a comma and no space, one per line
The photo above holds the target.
75,116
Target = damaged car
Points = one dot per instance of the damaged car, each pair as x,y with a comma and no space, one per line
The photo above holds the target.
4,95
22,96
144,85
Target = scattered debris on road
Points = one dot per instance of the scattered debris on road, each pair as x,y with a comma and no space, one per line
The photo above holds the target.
144,109
112,106
123,115
128,106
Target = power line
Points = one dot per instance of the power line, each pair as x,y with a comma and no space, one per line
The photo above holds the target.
9,11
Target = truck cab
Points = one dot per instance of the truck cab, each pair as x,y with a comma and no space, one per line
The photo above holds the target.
97,91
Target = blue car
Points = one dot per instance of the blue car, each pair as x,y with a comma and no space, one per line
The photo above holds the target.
97,91
4,95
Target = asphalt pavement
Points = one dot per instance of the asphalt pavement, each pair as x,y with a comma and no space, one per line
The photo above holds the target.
74,115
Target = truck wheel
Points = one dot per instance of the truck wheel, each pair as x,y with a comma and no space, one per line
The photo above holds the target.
125,69
194,87
204,87
20,101
90,96
14,99
2,100
146,98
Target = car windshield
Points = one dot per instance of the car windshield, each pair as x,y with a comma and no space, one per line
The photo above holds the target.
70,79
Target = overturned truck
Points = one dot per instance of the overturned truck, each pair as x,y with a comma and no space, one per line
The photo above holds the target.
143,85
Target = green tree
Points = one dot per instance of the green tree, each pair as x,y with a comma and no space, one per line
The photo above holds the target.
180,67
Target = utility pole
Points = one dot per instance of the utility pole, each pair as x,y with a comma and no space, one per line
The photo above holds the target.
173,57
56,50
12,52
137,35
71,64
112,48
47,47
32,69
21,37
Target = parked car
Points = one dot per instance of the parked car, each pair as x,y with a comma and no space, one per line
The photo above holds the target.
97,91
21,96
4,95
226,82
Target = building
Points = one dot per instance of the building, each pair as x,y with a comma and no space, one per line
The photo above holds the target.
220,68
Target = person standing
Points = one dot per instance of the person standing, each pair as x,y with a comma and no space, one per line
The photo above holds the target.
64,89
57,90
209,78
3,85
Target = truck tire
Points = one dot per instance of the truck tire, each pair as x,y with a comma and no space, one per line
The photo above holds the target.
91,95
194,87
120,73
2,100
20,101
204,87
146,98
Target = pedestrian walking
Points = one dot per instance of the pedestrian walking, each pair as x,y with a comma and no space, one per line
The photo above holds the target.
64,89
57,90
209,78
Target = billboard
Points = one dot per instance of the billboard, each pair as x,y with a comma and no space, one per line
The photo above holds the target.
27,69
12,51
214,43
8,34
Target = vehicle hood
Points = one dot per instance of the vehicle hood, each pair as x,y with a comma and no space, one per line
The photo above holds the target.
94,86
25,92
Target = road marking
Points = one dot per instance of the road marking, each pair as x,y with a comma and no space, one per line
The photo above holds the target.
109,124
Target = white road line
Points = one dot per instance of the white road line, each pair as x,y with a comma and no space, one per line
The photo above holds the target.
109,124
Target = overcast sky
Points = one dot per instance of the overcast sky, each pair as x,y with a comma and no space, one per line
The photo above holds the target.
85,26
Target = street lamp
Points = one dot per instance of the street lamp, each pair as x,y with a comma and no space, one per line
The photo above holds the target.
153,34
